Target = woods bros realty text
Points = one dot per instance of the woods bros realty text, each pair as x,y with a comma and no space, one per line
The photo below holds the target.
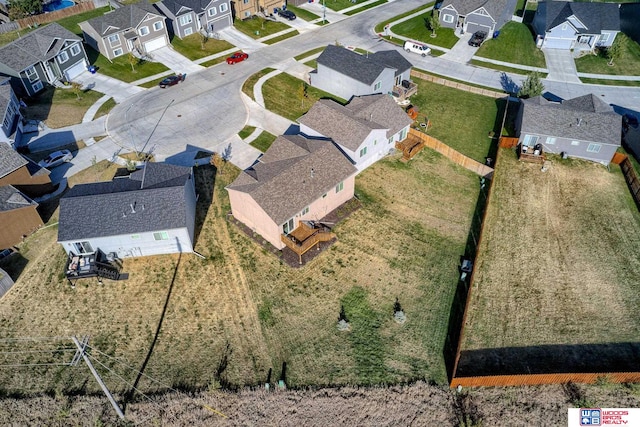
604,417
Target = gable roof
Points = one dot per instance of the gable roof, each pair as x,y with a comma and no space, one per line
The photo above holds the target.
294,172
595,16
11,198
104,209
175,6
122,19
392,59
585,118
37,46
5,98
10,160
350,125
500,10
351,64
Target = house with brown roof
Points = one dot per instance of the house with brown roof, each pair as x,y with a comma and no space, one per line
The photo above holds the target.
18,216
22,173
366,129
296,182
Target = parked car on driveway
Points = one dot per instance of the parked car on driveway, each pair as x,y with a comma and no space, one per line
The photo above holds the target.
170,81
56,159
287,14
237,57
477,38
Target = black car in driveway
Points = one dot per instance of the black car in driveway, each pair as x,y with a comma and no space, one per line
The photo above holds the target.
287,14
477,38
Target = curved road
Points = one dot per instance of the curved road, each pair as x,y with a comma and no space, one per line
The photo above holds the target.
206,109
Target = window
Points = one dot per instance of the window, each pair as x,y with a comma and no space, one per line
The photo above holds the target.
135,236
75,49
161,235
117,52
185,20
31,73
287,227
530,140
63,57
245,2
375,142
37,86
114,39
143,31
363,152
447,18
576,143
340,187
390,140
377,86
188,31
551,140
247,14
403,134
212,11
594,148
223,7
83,248
304,211
604,37
157,26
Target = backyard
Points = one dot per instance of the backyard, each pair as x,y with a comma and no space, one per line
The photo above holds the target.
557,269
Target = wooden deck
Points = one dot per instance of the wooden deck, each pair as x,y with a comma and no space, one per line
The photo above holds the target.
530,157
410,147
404,92
305,237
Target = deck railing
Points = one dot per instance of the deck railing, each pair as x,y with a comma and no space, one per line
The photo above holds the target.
301,247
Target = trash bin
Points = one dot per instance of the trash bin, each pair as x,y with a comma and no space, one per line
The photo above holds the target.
496,34
92,69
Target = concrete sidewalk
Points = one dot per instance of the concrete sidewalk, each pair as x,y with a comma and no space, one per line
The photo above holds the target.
175,61
117,89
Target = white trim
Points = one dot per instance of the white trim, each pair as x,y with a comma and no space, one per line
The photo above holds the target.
37,86
445,17
224,7
116,54
188,31
142,30
75,47
182,22
115,41
212,9
63,57
160,27
32,74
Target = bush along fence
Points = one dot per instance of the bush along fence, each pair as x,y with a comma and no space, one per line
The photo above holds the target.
453,155
457,85
538,379
45,18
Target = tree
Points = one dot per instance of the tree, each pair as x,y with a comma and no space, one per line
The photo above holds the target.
21,8
302,92
133,61
204,38
532,86
77,89
218,161
614,51
434,23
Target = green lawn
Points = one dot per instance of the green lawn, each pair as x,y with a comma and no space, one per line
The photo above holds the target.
379,28
71,22
247,87
627,65
515,44
365,7
309,53
191,46
246,131
257,28
444,106
338,5
282,96
302,13
263,141
120,68
416,29
610,82
213,61
105,108
282,37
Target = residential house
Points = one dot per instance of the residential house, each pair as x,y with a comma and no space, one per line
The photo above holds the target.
23,173
18,216
243,9
9,112
366,129
188,17
584,127
476,15
297,179
46,55
345,73
150,212
138,28
578,26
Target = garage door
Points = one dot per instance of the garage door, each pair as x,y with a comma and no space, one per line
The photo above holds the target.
155,44
554,43
472,27
75,70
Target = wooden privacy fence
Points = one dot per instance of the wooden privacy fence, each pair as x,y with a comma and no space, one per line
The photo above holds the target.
538,379
507,142
457,85
632,178
45,18
453,155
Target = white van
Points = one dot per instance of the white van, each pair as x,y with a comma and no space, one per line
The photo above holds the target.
415,47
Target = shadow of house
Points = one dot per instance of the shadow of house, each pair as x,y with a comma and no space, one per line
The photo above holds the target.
629,18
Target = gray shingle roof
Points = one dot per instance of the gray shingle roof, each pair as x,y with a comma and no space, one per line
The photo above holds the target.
392,59
104,208
5,98
351,64
597,120
36,46
500,10
294,172
350,125
11,198
174,6
10,160
595,16
122,19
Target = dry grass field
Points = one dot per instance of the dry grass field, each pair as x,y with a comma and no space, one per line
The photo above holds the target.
227,319
558,266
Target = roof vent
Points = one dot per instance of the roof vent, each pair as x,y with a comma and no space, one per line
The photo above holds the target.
311,172
133,207
124,214
578,121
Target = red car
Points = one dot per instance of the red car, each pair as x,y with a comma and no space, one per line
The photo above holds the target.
237,57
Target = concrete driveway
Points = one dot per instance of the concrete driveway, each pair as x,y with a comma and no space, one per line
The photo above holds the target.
562,67
117,89
461,52
240,40
173,60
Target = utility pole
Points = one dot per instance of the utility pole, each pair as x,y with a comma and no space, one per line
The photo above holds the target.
81,352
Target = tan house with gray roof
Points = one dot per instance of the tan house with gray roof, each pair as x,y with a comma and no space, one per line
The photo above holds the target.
297,179
366,129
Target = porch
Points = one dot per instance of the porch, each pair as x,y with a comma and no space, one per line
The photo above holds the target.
410,146
533,154
96,264
403,91
306,236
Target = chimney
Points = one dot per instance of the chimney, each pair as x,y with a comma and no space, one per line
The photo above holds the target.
133,207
